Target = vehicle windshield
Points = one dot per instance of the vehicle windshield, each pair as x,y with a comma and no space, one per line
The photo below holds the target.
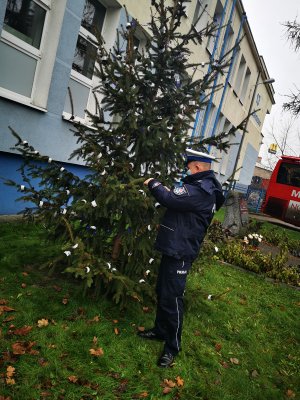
289,174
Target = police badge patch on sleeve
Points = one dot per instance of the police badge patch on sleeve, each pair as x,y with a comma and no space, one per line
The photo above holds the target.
180,190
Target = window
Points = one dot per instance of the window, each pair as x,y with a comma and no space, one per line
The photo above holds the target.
200,18
217,21
25,20
23,63
240,74
81,82
234,62
245,85
289,174
86,50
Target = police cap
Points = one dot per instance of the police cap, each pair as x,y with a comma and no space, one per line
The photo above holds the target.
194,155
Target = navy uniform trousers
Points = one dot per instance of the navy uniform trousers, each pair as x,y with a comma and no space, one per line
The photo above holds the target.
170,289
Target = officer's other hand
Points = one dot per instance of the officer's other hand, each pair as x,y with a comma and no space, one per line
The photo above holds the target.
147,181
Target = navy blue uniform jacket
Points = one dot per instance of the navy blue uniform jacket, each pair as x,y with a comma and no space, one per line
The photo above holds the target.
190,209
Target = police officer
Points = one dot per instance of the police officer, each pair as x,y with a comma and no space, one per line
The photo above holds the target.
190,209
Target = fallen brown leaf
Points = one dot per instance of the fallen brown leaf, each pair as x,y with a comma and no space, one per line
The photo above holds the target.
169,383
73,378
42,323
10,371
116,330
22,331
179,381
197,333
234,361
141,328
146,309
142,395
65,301
218,346
8,319
3,302
23,285
20,348
290,393
10,381
25,273
97,352
224,364
57,288
115,321
95,340
167,390
95,319
6,309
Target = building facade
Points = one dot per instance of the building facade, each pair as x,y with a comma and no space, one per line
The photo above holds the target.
46,54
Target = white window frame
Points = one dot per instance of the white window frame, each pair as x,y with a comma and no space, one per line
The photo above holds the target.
109,28
45,57
200,4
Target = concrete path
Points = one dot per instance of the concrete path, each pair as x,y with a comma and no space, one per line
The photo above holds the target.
267,218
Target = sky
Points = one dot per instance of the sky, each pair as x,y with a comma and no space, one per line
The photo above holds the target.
283,64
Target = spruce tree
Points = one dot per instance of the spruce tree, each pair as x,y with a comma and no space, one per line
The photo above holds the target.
106,222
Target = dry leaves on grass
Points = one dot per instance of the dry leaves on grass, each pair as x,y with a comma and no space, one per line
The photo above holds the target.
179,381
22,331
218,346
142,395
168,384
97,352
4,308
20,348
234,361
10,371
290,394
93,320
224,364
42,323
73,379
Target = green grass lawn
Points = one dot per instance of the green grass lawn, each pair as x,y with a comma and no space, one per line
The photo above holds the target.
242,345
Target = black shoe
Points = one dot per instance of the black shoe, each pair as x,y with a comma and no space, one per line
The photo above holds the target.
150,334
166,360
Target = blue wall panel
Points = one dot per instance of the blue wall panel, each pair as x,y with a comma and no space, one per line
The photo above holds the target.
9,164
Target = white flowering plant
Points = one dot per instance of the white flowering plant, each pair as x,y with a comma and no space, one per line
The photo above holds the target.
253,239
